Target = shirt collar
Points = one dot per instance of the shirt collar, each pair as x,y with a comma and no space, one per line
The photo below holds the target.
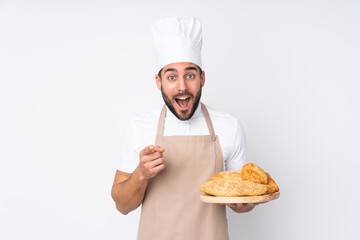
198,113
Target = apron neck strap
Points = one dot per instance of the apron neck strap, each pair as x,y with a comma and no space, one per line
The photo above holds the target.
160,129
208,121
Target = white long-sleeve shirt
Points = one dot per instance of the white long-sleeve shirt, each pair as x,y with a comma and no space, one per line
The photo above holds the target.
141,132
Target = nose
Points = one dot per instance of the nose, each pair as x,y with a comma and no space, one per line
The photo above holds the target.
182,85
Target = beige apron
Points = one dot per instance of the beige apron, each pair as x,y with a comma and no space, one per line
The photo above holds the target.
172,208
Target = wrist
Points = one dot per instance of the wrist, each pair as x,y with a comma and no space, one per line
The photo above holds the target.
139,175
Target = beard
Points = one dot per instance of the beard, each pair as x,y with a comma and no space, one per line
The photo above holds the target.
184,115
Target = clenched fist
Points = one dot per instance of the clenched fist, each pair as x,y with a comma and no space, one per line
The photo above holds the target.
151,161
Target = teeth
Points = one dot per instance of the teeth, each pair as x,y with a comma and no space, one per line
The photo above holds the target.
183,98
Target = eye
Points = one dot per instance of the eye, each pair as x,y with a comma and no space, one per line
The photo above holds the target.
171,78
191,76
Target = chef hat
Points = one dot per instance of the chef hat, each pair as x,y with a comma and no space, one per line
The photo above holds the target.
177,39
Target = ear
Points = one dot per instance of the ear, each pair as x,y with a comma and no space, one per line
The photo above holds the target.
202,79
158,81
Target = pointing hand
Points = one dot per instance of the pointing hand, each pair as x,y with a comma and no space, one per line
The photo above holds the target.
151,161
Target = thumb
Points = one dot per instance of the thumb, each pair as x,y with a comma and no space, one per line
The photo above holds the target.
147,150
159,149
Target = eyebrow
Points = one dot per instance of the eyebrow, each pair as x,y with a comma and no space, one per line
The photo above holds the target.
170,69
174,70
191,68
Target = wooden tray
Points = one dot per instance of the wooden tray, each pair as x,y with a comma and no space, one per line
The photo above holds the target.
246,199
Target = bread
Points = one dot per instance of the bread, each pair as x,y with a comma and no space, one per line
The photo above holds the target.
253,173
228,175
272,187
222,187
250,181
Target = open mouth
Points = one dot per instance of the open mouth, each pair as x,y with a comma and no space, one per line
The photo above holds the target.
183,102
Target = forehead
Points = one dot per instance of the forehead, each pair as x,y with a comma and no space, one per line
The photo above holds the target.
180,66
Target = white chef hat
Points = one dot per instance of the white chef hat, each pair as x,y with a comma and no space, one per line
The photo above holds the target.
177,39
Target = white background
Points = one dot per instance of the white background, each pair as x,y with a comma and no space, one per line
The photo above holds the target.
72,73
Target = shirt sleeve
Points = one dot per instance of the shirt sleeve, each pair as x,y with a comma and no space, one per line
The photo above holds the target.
238,157
129,156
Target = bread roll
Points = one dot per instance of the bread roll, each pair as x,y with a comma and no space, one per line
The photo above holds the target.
222,187
272,187
251,172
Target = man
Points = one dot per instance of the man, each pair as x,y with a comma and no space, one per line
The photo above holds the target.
192,143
